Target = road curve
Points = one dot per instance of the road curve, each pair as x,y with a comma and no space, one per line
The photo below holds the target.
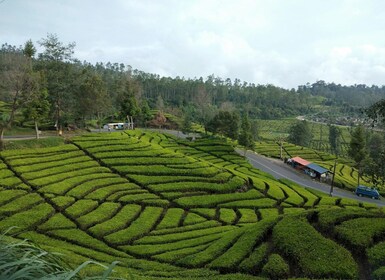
280,170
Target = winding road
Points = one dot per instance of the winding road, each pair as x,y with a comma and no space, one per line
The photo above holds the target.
280,170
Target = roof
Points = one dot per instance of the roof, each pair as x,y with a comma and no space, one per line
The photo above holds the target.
300,161
317,168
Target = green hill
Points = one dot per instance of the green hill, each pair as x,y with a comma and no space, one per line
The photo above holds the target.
170,208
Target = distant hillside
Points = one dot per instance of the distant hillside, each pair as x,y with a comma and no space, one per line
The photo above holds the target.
170,208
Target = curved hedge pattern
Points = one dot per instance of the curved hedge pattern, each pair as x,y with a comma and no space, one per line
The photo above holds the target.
167,207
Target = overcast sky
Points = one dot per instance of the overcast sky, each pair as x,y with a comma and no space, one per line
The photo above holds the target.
282,42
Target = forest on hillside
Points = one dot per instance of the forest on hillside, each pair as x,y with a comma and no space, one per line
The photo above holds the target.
54,89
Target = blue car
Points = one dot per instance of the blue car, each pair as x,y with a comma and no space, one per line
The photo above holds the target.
366,191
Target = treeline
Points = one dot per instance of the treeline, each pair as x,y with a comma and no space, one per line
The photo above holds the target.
53,88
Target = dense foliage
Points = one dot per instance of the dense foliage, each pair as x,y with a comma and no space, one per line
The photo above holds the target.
166,207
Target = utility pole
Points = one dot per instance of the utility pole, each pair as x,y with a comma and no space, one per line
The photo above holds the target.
334,174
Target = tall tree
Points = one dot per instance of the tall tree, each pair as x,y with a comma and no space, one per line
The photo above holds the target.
335,139
92,98
38,108
128,102
145,112
18,85
225,123
56,60
357,148
300,134
245,137
374,164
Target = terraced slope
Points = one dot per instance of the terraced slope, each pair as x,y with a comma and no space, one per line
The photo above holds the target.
166,207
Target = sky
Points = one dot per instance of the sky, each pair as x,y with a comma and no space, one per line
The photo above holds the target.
282,42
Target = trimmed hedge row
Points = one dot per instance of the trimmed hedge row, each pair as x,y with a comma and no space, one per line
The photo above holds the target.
58,221
154,249
180,229
247,216
20,204
214,200
121,220
81,207
68,175
227,215
314,255
251,203
230,186
27,219
361,232
60,170
253,263
172,237
147,180
327,218
171,219
52,166
138,228
100,214
276,267
251,236
214,250
311,198
61,187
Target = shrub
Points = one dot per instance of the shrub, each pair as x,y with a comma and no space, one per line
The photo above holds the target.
247,216
294,236
276,267
59,170
176,255
57,221
327,218
257,203
81,238
172,237
361,232
214,250
202,225
311,198
125,216
256,259
376,254
92,184
81,207
142,225
192,219
271,213
379,274
154,249
9,195
243,246
227,215
171,219
27,219
21,203
214,200
104,212
62,185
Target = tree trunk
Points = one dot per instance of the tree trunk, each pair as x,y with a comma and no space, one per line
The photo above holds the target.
2,138
37,130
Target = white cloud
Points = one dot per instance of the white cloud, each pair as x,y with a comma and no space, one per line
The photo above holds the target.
286,43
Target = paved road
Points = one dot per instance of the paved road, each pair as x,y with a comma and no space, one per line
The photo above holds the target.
280,170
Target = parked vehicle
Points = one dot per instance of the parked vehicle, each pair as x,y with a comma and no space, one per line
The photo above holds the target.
366,191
